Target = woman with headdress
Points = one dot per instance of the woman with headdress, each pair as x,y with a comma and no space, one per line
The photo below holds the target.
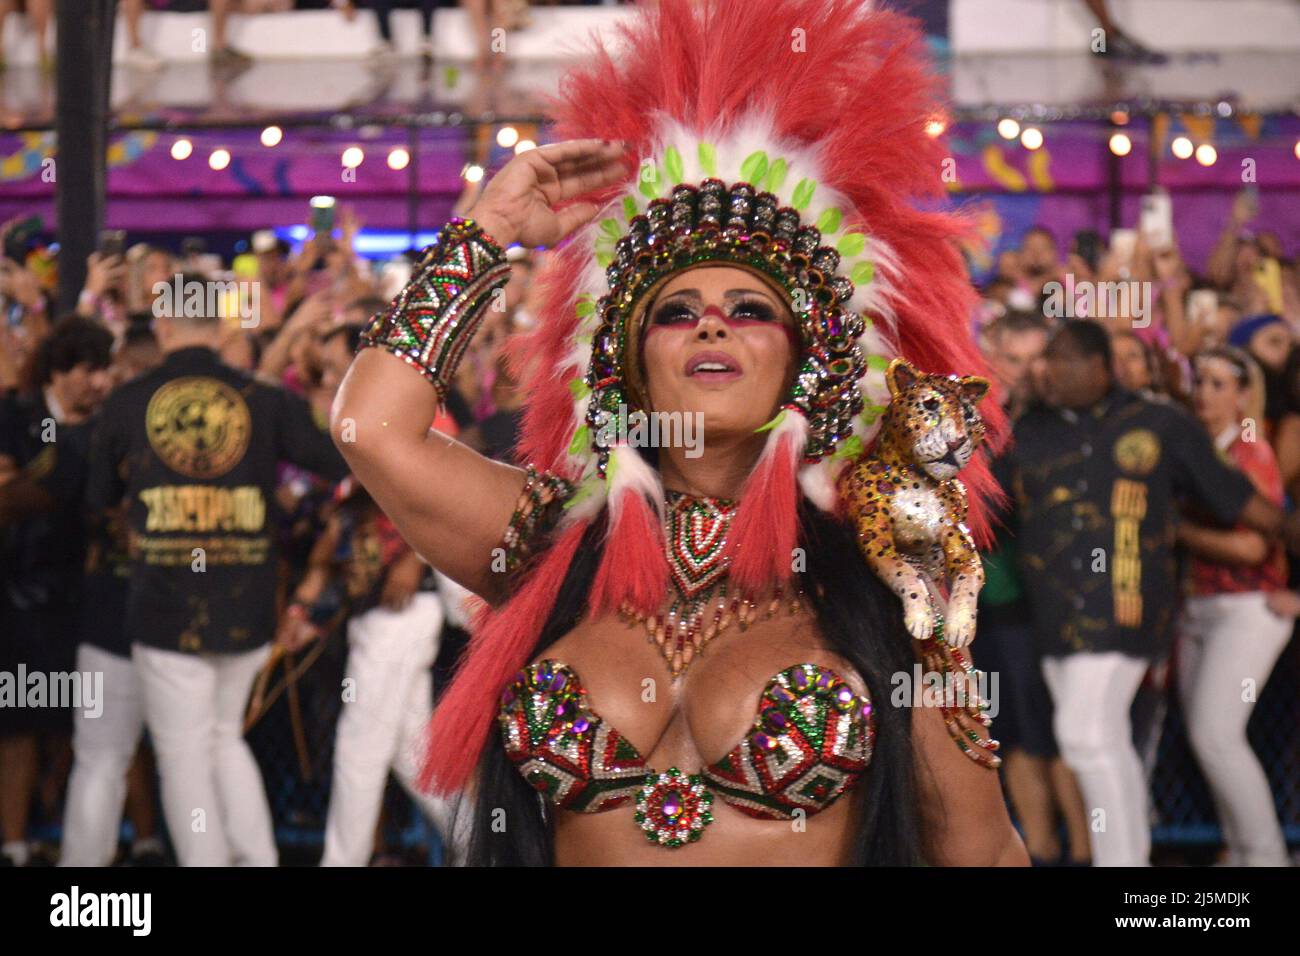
683,655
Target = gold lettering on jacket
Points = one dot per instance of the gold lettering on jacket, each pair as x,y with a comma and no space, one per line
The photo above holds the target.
203,508
1128,506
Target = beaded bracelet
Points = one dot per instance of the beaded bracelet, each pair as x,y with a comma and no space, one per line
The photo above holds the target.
431,322
967,712
536,511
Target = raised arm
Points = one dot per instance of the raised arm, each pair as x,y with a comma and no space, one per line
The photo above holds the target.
450,503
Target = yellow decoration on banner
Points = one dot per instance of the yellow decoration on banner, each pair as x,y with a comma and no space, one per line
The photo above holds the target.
995,163
1251,123
1201,127
1160,129
1039,161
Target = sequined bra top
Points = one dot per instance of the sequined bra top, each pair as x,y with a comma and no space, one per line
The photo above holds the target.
811,741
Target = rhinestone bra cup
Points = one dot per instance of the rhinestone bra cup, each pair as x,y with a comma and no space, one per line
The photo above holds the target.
810,742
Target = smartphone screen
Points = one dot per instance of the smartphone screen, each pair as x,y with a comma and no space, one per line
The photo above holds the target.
322,215
112,242
1156,221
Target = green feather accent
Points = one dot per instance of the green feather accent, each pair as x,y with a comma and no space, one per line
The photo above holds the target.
603,259
877,363
610,228
871,413
580,440
829,220
863,273
586,307
585,490
708,159
629,208
579,389
754,167
780,417
673,164
649,185
803,194
851,244
776,174
851,447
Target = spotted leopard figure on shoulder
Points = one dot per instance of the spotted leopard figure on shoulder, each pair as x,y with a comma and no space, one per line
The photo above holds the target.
908,505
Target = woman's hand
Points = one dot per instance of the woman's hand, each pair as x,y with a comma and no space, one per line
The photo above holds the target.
104,273
518,204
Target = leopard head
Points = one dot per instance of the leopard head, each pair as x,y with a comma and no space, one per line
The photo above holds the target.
932,420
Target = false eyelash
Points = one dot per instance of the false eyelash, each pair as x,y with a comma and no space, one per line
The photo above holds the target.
762,309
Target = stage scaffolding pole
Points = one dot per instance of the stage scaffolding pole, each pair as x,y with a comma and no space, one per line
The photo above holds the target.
85,62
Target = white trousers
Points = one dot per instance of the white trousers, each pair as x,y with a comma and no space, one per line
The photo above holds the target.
1230,643
388,699
1092,694
212,792
103,748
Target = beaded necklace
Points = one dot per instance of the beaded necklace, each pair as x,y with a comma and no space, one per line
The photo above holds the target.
698,607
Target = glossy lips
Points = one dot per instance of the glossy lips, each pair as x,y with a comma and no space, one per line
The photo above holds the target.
713,366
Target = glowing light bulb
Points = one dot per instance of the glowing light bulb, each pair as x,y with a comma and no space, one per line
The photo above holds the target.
398,158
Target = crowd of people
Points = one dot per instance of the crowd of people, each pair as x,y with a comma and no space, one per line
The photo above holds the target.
290,545
1154,450
1154,563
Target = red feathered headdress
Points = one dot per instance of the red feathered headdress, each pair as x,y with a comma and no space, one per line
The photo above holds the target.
784,136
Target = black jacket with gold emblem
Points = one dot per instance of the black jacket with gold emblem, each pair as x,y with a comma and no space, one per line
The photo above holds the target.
1097,497
194,446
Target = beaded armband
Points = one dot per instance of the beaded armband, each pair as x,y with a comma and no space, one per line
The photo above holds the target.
960,701
431,322
541,502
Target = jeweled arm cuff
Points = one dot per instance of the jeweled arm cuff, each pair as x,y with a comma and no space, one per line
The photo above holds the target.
432,321
540,505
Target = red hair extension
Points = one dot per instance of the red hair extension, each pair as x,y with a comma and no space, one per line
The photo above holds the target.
765,531
633,567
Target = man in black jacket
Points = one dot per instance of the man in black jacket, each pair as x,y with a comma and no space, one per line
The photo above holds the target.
194,447
44,436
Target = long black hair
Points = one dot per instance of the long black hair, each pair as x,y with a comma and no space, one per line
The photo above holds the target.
856,614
